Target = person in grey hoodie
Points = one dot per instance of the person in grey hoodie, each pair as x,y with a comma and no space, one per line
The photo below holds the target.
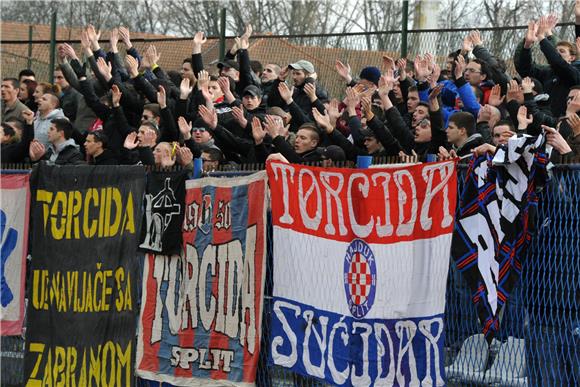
48,109
62,149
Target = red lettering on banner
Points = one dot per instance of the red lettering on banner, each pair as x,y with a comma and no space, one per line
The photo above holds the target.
379,205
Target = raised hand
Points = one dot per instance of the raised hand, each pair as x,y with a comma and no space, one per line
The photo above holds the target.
333,113
283,74
209,116
93,36
69,51
203,79
467,45
131,141
247,32
475,38
184,128
285,92
388,63
459,66
365,104
28,116
421,69
238,114
184,156
402,67
527,85
105,68
114,39
495,97
224,83
343,71
434,77
483,149
86,43
514,92
184,88
150,58
531,32
352,98
310,90
323,120
132,66
199,40
523,118
161,97
551,22
125,37
273,127
258,132
435,92
116,95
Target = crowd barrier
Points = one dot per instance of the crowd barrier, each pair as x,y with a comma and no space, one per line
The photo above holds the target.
539,340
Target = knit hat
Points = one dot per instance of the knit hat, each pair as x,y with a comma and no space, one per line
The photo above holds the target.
371,74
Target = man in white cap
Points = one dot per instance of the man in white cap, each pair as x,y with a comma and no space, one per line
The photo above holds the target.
307,92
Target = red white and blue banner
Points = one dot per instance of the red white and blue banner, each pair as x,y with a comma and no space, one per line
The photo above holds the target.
201,310
495,223
14,215
360,270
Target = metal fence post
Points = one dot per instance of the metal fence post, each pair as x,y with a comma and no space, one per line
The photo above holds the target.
52,46
29,62
222,34
404,29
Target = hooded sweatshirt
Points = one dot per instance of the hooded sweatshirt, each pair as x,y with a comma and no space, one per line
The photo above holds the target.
41,126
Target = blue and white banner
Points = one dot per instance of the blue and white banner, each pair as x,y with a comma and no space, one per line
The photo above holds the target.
14,215
360,270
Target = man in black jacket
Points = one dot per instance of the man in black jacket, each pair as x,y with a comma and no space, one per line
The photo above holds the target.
96,148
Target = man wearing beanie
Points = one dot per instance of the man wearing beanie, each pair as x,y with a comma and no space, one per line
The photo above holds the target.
369,77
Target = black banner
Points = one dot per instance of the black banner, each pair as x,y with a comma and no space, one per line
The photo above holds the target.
164,211
82,303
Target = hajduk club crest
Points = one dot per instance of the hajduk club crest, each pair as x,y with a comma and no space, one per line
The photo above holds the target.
360,278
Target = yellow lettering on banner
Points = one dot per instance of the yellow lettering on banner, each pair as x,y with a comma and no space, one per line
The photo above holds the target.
119,277
116,203
89,294
102,212
72,220
129,218
108,356
71,365
124,364
59,201
72,213
45,198
59,364
95,367
47,380
35,348
104,365
92,196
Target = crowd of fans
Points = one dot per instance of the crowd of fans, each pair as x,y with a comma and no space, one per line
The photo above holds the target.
113,111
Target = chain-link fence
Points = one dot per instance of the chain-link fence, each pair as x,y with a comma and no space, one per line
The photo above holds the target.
358,49
539,340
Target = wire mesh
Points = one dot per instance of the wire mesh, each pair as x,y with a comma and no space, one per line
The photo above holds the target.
539,340
358,49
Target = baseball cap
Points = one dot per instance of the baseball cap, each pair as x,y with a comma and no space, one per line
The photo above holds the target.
365,133
252,90
229,63
332,152
302,65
